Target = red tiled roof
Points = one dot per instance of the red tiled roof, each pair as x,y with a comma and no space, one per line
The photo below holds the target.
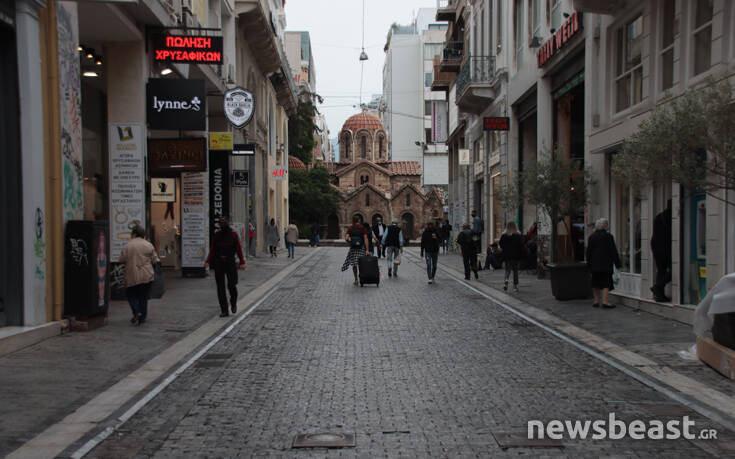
405,167
362,121
295,163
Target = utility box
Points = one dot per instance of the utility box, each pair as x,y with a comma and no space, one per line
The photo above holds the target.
86,262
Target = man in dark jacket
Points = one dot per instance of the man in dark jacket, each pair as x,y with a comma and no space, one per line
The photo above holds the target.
469,251
445,232
378,231
393,243
225,245
430,246
661,248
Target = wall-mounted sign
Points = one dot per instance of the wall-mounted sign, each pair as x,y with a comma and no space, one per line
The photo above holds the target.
239,106
127,183
560,38
220,141
279,172
240,178
464,157
176,104
177,155
163,190
243,149
496,123
194,223
186,49
219,188
439,126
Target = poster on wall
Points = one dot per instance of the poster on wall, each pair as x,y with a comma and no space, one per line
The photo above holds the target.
194,222
127,183
163,190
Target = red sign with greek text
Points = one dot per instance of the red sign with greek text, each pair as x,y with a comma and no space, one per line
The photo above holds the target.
496,123
187,49
560,38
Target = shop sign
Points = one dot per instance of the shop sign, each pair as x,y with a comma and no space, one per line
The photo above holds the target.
177,155
127,183
240,179
220,141
243,149
219,188
496,123
560,38
239,106
163,190
194,224
439,126
176,104
464,157
187,49
279,173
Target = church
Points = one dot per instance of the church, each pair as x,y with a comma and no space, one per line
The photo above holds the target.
371,185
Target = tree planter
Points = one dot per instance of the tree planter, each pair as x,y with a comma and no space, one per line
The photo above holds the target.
723,330
570,281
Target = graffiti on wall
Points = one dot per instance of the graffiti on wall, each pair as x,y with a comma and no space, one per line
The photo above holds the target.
39,247
71,113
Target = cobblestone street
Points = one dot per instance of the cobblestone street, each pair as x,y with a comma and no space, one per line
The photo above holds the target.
413,370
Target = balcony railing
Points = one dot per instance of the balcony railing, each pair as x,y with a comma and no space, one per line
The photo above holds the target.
475,70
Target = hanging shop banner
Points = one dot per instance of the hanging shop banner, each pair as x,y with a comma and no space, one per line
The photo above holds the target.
219,188
163,190
239,105
220,141
194,222
439,126
561,37
127,183
177,155
178,105
279,173
243,149
496,123
240,178
186,49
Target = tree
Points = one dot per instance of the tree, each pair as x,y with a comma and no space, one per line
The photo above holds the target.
311,197
301,126
689,139
556,185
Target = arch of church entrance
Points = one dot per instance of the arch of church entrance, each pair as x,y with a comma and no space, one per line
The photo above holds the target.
408,222
333,227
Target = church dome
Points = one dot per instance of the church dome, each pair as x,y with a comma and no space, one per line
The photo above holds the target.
295,163
363,121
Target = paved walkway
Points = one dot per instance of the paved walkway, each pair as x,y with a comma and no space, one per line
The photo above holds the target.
413,370
43,383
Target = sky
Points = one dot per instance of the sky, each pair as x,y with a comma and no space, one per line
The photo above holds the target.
335,27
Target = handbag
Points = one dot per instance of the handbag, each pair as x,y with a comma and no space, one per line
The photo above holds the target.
157,286
616,276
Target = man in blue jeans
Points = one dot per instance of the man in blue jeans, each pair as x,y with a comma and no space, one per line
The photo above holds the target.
430,246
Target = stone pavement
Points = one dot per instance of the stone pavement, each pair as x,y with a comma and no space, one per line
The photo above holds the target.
655,337
41,384
414,370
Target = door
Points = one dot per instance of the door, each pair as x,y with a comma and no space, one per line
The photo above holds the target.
333,227
408,222
694,250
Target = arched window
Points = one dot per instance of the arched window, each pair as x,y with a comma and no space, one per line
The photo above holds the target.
380,147
408,200
364,147
346,142
367,200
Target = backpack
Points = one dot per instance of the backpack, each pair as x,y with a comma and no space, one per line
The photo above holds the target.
224,247
356,240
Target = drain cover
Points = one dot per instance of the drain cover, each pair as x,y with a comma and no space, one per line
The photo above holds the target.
324,440
520,440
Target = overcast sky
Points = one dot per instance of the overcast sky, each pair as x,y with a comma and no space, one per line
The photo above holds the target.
335,27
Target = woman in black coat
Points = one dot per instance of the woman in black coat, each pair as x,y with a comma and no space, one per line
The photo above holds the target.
511,243
602,254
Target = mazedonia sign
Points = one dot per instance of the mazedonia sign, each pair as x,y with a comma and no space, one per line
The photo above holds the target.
239,106
187,49
176,104
560,38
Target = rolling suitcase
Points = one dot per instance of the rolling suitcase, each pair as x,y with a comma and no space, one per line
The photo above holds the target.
369,271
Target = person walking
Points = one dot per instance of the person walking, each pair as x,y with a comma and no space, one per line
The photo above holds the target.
478,226
430,247
661,249
445,233
469,251
511,243
369,234
291,237
314,236
602,254
138,256
378,231
251,236
273,237
393,243
225,245
356,237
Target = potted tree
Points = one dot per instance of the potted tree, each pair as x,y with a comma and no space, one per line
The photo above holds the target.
558,187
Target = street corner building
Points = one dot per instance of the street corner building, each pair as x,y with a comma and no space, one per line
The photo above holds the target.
371,185
114,115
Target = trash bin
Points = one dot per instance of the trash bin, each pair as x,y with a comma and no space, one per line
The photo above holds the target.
86,255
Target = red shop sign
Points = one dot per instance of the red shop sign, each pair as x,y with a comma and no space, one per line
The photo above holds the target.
187,49
560,38
496,123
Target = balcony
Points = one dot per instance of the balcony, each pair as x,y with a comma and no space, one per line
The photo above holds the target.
446,10
475,84
611,7
442,80
452,56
